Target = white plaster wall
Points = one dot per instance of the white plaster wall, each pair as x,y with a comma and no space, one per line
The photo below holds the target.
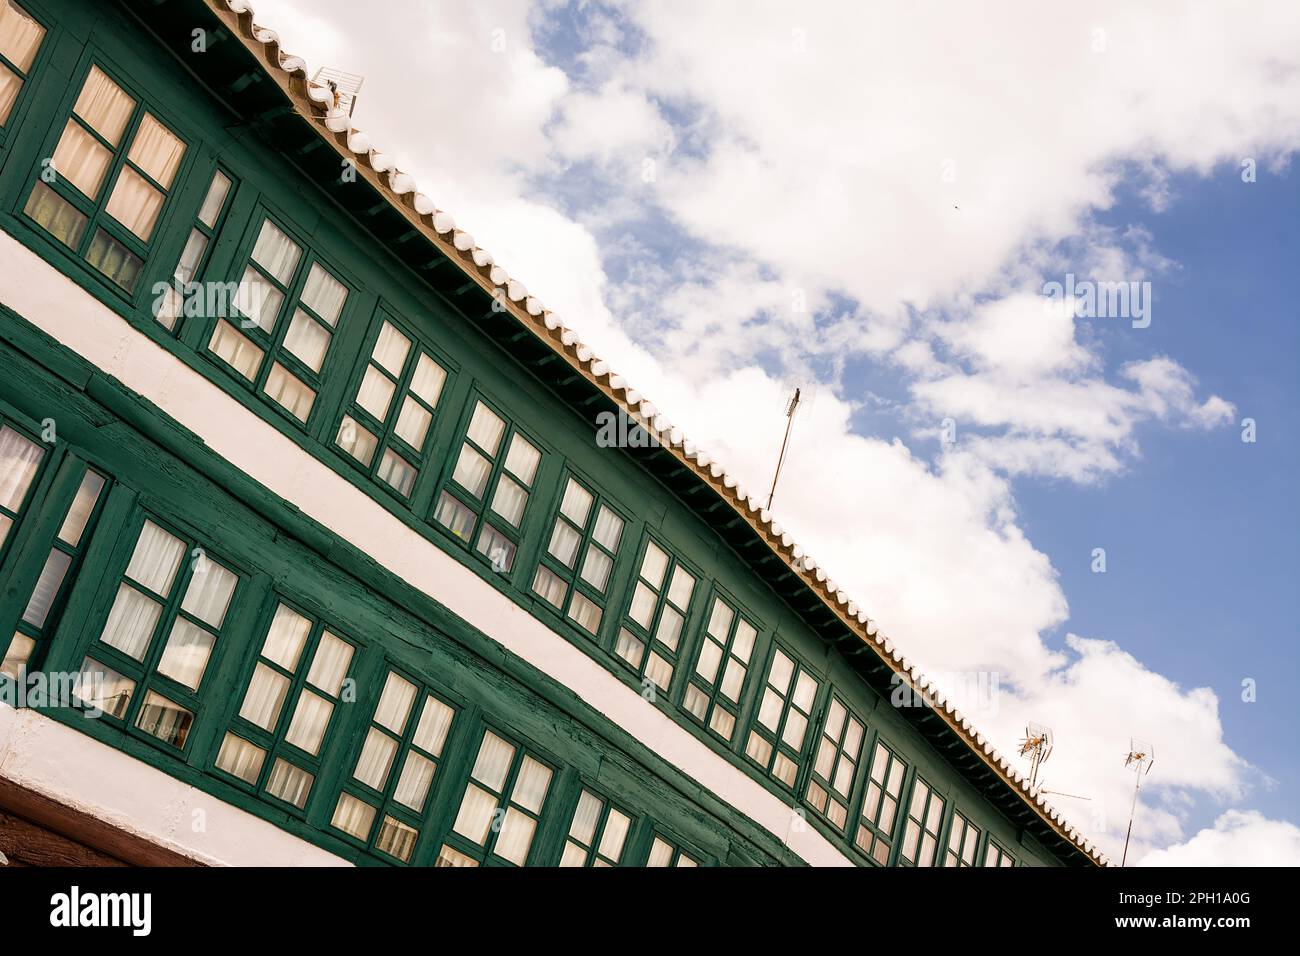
44,296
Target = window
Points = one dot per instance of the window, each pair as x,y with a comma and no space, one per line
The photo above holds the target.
575,570
924,818
776,740
880,808
963,838
277,737
20,460
656,617
713,688
20,38
289,306
103,192
171,304
388,426
994,855
598,833
166,618
836,764
40,616
665,853
394,772
499,814
485,499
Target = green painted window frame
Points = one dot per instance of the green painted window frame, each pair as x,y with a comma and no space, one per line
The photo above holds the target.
886,782
962,848
144,672
41,633
480,507
16,109
921,843
594,852
995,854
176,290
759,733
271,344
836,753
383,801
653,647
703,698
572,579
94,208
485,854
678,856
274,742
385,432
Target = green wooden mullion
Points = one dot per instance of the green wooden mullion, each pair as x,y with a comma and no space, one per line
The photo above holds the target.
341,746
34,529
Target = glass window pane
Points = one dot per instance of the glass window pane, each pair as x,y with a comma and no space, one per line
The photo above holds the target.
47,587
486,428
530,788
354,817
308,340
585,818
240,758
214,200
576,503
187,266
509,501
290,392
104,105
156,150
376,759
396,839
310,720
493,761
653,565
276,252
19,459
356,440
324,294
516,837
454,516
549,585
131,622
472,471
474,819
720,619
413,423
584,613
395,703
617,826
564,542
186,655
17,656
56,215
376,392
20,35
257,299
608,530
596,567
435,721
265,697
391,349
99,686
165,719
413,784
498,549
397,472
428,380
209,592
285,640
134,203
81,159
330,664
114,260
289,783
522,459
682,587
235,349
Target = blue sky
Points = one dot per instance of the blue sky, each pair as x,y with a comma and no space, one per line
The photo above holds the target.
866,201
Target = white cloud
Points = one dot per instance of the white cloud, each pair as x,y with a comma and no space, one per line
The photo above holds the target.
1238,838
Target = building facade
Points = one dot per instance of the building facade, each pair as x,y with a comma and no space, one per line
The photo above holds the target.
323,543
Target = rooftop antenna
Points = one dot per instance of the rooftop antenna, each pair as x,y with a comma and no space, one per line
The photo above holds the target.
1141,755
345,86
1037,746
791,406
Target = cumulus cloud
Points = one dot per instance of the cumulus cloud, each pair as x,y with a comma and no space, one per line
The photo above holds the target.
1238,838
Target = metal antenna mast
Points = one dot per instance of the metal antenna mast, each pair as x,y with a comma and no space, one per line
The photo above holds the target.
791,407
1141,755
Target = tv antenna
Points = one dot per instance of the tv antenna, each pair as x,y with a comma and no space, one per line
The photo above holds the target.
1037,746
791,407
1141,755
345,86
